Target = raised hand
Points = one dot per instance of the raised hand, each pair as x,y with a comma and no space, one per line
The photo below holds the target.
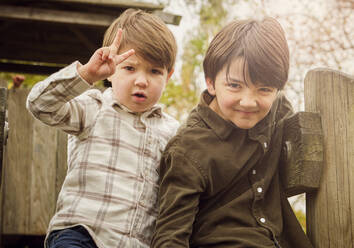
103,62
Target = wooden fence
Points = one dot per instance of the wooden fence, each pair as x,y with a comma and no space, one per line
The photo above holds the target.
318,150
34,167
330,210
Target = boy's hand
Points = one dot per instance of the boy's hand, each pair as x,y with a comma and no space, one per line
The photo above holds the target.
103,62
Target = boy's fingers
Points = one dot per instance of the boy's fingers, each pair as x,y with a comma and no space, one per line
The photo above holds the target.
116,43
112,52
121,57
105,53
118,38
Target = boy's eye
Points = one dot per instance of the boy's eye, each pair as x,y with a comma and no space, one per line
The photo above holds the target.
266,90
156,71
234,85
129,68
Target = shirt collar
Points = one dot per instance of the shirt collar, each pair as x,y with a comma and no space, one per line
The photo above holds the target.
264,129
221,127
155,111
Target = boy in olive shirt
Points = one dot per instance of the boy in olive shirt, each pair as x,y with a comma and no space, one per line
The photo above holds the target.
219,176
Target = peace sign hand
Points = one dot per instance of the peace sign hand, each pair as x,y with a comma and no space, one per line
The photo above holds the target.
103,62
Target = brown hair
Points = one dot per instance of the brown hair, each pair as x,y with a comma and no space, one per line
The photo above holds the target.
147,34
263,46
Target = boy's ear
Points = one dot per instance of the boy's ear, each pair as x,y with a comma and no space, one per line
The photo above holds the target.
210,86
170,74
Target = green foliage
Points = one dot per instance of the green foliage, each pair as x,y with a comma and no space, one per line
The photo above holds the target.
301,217
180,97
30,79
212,14
178,101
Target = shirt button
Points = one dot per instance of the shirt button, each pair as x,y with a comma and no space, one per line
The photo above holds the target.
254,172
259,190
262,220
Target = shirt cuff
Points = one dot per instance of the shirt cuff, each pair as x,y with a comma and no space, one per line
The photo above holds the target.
79,84
77,63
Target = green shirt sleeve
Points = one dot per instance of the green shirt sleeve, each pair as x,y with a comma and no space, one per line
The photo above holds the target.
181,184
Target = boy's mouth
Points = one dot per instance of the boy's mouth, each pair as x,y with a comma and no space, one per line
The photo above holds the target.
140,96
246,112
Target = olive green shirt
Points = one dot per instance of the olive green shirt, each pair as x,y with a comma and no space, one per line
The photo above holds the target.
220,185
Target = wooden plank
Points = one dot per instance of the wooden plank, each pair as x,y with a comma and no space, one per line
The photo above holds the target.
83,38
2,195
3,108
75,17
66,52
116,3
34,171
27,68
329,211
17,173
168,17
303,153
57,16
43,183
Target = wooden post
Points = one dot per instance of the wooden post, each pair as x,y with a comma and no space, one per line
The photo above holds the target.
302,153
330,210
3,107
35,165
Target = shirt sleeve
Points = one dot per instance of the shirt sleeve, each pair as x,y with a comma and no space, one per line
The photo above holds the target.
52,100
181,184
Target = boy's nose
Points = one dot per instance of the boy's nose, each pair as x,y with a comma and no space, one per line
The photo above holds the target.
248,100
141,81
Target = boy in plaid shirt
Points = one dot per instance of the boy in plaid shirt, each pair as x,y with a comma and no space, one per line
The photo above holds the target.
116,138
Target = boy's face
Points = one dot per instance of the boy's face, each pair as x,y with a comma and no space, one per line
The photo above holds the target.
137,84
243,104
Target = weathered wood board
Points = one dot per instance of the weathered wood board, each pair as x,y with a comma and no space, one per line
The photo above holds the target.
33,171
330,211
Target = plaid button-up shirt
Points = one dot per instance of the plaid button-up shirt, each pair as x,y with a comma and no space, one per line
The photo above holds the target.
113,158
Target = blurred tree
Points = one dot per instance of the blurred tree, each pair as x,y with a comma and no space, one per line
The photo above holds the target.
300,215
181,97
320,34
28,79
